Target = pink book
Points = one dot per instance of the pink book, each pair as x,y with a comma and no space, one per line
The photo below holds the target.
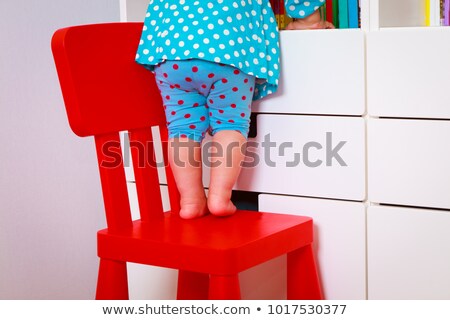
447,13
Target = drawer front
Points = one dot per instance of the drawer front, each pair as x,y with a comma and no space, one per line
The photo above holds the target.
409,162
408,72
306,155
322,72
408,253
339,241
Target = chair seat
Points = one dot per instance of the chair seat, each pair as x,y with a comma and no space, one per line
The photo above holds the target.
226,245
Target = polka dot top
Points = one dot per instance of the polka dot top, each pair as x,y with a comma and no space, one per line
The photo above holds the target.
241,33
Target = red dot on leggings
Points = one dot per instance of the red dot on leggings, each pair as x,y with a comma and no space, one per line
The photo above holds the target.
165,75
219,122
187,115
210,114
188,79
211,101
204,86
220,111
244,98
211,75
235,89
175,66
192,126
180,102
183,136
213,87
251,89
177,86
224,80
242,114
233,105
168,97
203,118
196,104
236,72
172,86
173,113
194,69
222,96
160,81
245,80
231,121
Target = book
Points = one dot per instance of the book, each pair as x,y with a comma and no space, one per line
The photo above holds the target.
280,13
446,12
329,11
343,14
335,13
353,10
432,13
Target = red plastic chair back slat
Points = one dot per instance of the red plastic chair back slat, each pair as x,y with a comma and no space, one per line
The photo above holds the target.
98,100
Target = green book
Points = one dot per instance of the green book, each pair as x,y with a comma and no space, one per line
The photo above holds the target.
335,13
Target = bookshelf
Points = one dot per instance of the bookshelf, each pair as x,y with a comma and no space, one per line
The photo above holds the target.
382,88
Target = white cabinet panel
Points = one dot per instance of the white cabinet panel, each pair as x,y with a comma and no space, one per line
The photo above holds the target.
322,72
318,156
407,72
409,162
339,241
408,253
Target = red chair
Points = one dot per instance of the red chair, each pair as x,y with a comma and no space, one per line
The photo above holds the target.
106,92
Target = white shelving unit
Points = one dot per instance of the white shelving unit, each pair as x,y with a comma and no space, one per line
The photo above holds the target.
381,220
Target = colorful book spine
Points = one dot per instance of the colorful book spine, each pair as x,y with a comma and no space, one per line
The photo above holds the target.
427,12
275,4
432,13
329,10
343,14
353,9
336,13
447,13
280,13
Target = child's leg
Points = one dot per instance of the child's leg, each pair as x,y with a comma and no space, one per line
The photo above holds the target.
185,161
225,171
187,122
230,106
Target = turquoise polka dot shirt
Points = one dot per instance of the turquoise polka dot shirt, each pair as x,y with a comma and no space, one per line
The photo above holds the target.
242,34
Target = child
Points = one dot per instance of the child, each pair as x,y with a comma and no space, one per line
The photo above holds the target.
211,58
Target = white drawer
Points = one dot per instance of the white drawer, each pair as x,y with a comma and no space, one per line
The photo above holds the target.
408,72
292,171
322,72
408,253
409,162
339,241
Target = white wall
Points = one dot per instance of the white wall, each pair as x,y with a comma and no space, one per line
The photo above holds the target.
50,196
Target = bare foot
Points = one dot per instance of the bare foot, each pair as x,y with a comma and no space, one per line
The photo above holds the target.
193,208
220,206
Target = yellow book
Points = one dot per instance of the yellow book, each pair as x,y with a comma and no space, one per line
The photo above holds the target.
427,12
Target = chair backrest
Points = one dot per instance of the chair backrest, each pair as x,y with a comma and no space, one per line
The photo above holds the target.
105,91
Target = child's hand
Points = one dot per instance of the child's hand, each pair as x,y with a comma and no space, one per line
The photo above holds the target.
313,21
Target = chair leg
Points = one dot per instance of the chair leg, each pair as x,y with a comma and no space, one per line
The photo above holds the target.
112,283
192,285
224,287
302,277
